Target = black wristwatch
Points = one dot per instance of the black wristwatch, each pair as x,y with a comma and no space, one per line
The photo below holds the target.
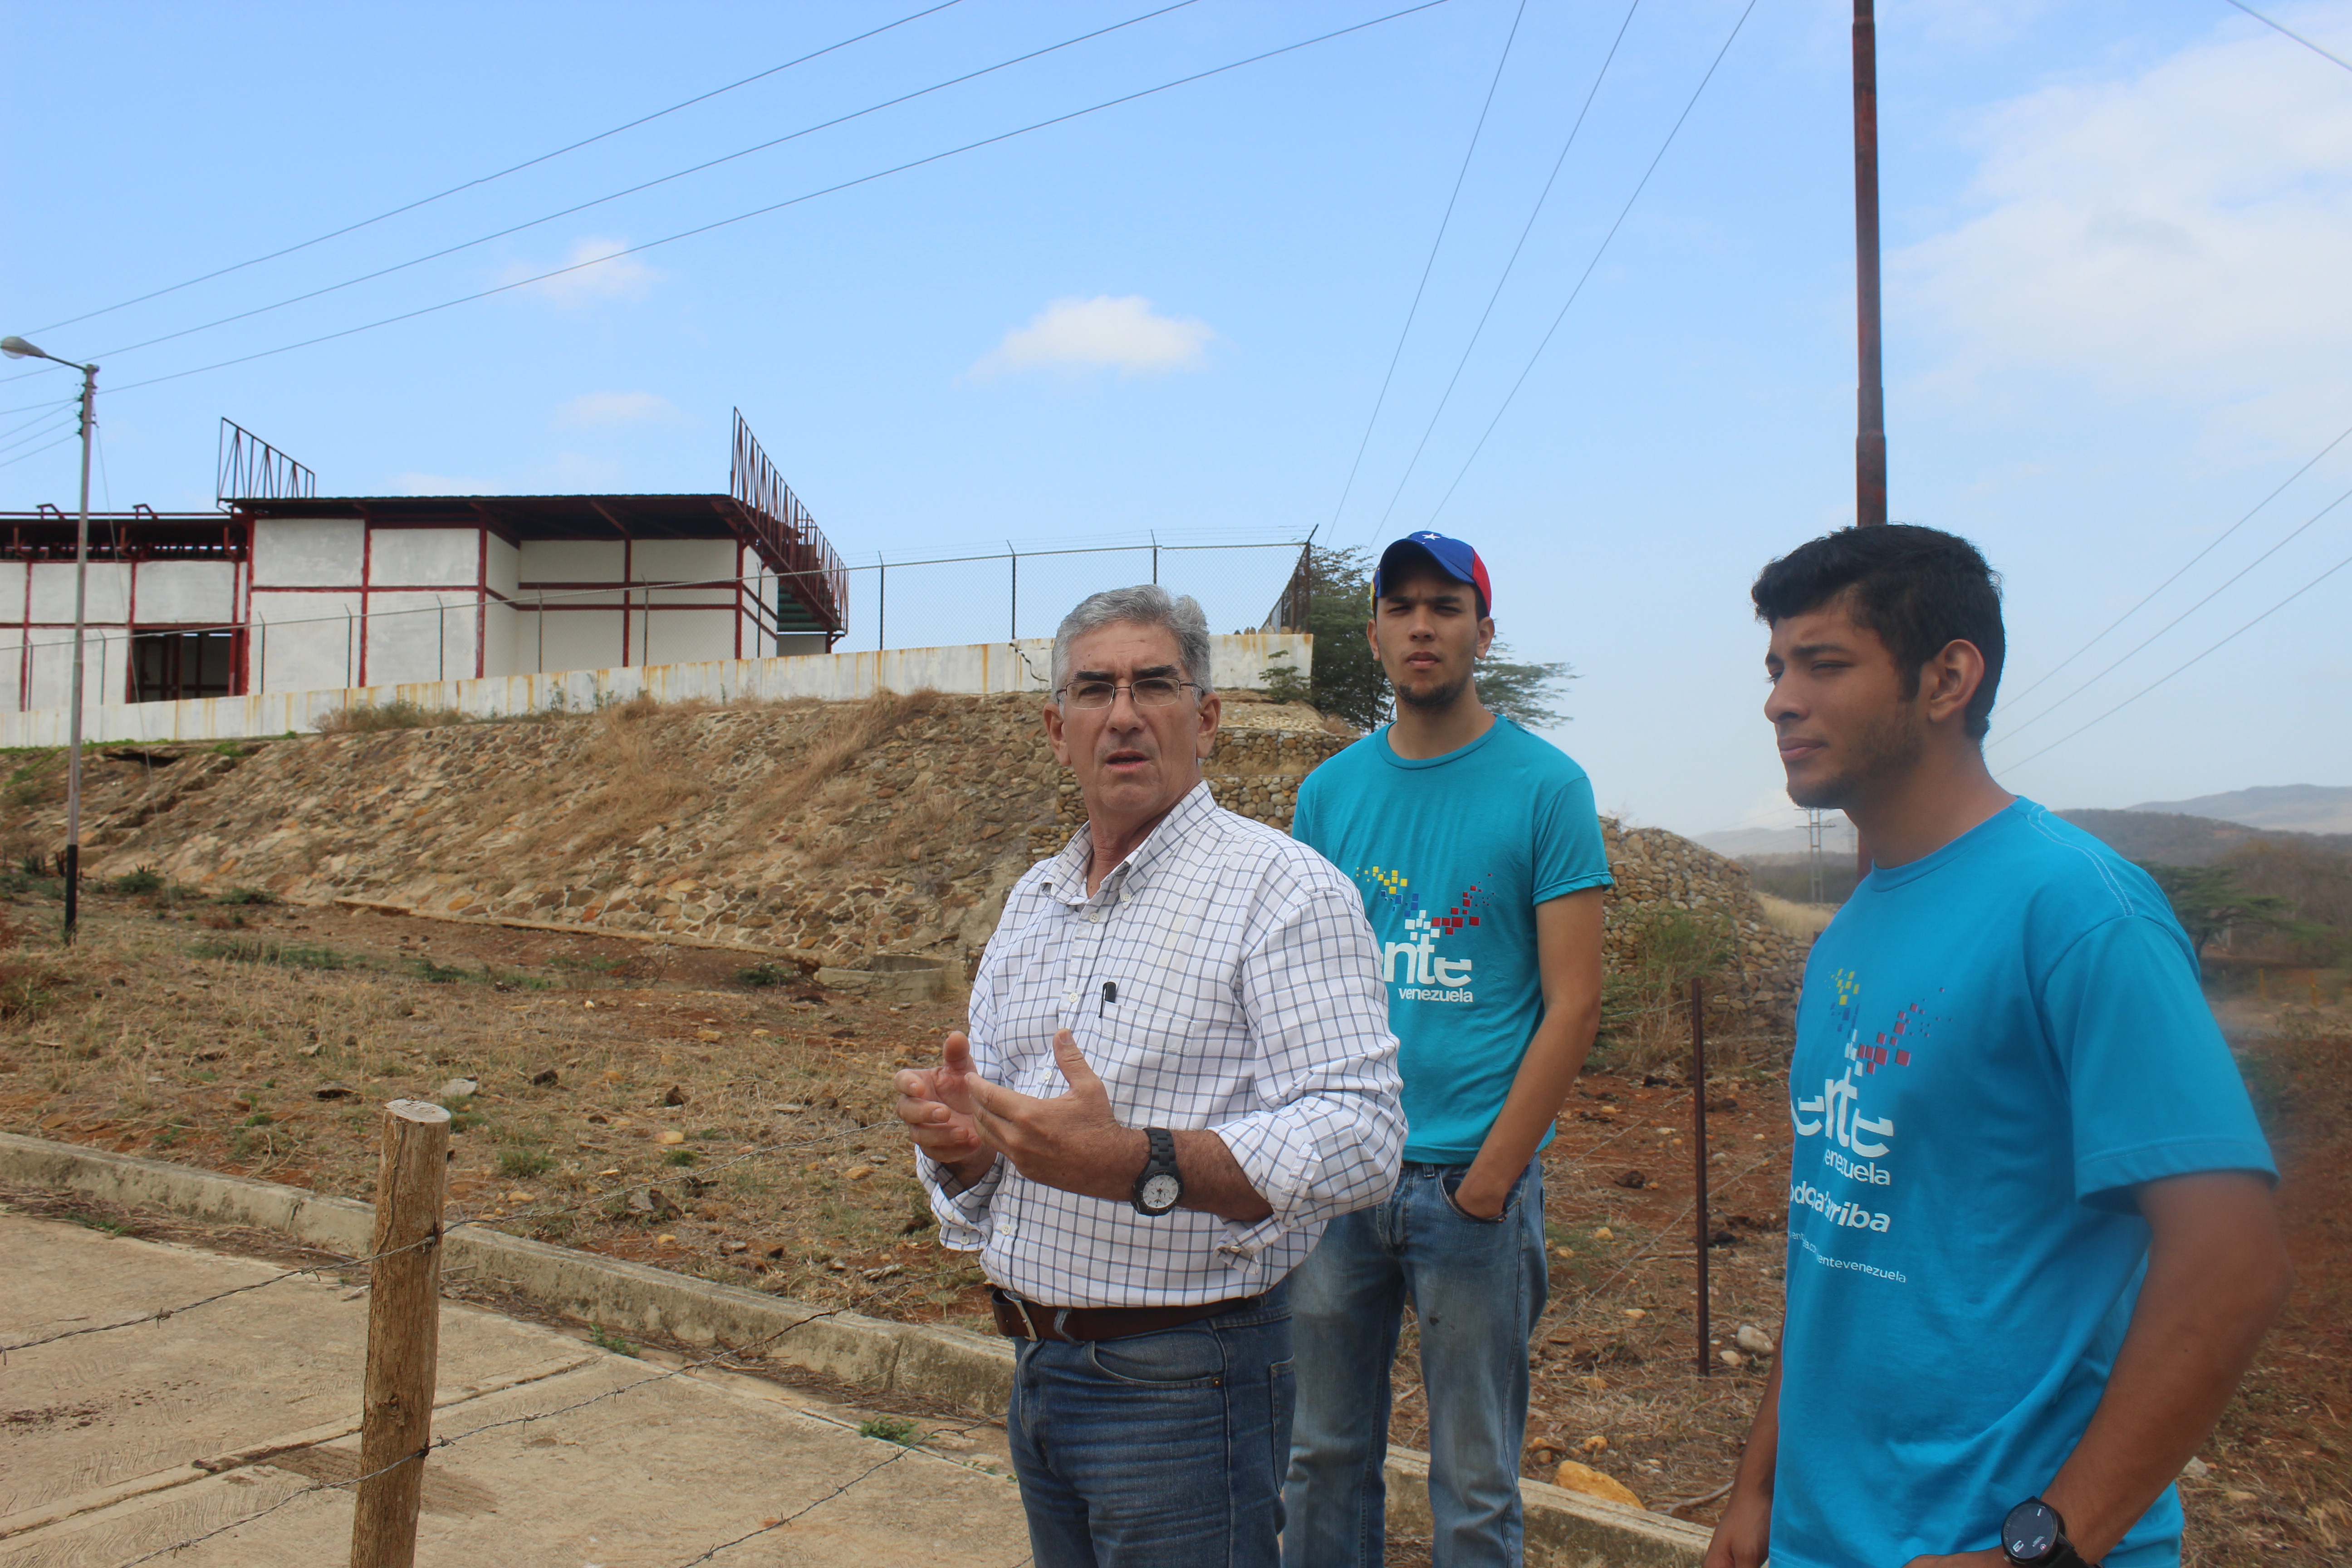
2034,1536
1158,1189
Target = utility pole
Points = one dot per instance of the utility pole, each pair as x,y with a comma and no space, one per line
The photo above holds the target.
1870,438
17,347
1870,434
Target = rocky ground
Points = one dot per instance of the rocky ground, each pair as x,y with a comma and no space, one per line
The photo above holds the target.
701,1111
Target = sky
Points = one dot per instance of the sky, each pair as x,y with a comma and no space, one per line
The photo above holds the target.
2118,334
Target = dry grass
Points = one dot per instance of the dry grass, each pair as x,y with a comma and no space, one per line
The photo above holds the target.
364,718
1795,918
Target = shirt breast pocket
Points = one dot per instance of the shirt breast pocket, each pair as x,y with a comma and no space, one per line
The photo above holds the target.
1173,1053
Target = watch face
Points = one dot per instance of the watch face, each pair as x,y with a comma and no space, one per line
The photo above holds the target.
1161,1193
2030,1531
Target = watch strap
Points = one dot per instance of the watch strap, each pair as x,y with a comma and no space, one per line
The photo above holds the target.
2062,1552
1160,1161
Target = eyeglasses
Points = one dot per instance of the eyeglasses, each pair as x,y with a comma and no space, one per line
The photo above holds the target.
1152,691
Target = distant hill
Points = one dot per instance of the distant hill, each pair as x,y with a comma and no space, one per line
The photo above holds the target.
2291,808
2182,838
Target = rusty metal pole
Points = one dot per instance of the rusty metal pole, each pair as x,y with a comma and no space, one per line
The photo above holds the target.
1698,1155
403,1332
1870,438
1870,435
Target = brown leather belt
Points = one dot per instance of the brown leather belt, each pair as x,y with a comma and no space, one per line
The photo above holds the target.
1020,1319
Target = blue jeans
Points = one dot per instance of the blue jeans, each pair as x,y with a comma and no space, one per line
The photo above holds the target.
1477,1287
1164,1449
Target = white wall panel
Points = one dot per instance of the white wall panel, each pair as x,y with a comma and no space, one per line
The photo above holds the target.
506,562
501,629
682,637
53,591
683,560
581,639
187,593
304,641
299,553
409,640
418,556
571,561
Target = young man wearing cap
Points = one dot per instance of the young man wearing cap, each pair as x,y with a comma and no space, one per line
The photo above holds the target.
1481,862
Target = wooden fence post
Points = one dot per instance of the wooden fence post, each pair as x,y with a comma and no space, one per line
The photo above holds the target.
403,1331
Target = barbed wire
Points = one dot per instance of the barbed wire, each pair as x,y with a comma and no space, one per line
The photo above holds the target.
422,1453
335,1260
854,1480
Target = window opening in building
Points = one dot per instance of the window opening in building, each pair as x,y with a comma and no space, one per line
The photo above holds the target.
169,667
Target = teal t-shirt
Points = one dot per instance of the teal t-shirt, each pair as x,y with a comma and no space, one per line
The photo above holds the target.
1454,853
1996,1044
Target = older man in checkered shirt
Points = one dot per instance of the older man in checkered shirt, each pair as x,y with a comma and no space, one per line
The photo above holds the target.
1180,1069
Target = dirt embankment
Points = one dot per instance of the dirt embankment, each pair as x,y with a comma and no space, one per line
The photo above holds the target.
827,831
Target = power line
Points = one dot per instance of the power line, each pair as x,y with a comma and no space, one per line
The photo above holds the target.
2183,615
1558,163
1414,309
788,202
500,175
2193,560
37,451
2160,680
637,189
1599,251
48,411
48,426
2291,33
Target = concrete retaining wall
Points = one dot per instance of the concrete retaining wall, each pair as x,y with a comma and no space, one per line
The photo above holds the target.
1237,660
1564,1530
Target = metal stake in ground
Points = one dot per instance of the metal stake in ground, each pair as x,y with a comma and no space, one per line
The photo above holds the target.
1698,1155
403,1331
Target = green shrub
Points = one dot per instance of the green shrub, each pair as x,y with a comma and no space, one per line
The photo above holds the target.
246,896
521,1162
142,879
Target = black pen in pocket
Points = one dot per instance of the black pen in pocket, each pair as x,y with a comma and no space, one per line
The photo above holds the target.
1110,996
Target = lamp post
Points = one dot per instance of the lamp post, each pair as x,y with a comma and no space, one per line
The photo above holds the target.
17,347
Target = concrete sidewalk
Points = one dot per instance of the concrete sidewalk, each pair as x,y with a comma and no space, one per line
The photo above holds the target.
117,1444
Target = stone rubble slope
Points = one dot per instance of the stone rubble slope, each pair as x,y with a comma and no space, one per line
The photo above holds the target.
824,832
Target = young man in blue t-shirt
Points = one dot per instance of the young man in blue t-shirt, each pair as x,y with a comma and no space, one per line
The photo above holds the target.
1481,861
2030,1242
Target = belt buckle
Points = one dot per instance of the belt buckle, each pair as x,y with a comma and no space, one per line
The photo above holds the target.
1021,1306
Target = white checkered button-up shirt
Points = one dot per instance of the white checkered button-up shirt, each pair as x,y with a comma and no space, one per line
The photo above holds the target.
1247,1001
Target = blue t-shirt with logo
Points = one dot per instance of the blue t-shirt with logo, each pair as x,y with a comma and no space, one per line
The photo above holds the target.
1996,1044
1454,853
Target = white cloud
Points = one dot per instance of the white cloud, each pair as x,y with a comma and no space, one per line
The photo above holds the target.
2184,233
595,271
594,408
1122,335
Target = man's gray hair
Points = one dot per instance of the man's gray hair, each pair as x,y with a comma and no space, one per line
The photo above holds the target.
1145,605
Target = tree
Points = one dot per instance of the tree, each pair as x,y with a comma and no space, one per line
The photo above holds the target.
1522,692
1347,682
2207,901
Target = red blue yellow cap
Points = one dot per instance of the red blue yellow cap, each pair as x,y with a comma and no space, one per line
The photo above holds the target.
1453,557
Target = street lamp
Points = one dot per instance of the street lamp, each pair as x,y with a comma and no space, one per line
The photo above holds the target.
17,347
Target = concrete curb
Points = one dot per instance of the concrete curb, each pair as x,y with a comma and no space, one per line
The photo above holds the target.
1564,1529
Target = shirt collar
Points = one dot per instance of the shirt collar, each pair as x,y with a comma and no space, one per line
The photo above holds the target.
1067,879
